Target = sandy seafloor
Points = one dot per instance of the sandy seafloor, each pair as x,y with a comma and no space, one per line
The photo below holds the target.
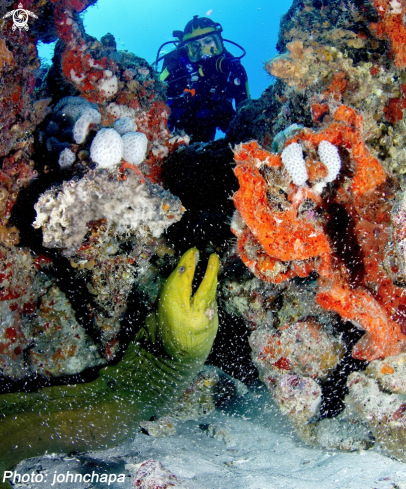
256,449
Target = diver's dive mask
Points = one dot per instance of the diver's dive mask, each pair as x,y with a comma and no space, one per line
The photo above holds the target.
203,48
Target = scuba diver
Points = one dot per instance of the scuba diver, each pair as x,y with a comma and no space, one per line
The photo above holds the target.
203,80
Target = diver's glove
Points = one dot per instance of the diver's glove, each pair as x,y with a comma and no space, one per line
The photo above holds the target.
189,99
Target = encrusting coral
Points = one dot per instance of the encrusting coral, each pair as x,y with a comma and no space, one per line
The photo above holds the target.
156,369
127,206
285,233
392,27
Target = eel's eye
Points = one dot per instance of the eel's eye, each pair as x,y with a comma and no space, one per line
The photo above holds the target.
181,269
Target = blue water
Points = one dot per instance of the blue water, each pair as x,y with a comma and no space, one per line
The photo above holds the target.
142,26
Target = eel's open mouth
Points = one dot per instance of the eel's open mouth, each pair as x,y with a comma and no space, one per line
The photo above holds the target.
189,322
181,281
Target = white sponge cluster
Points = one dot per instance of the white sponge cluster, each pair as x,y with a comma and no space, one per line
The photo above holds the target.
108,85
295,164
134,147
107,148
81,127
124,125
66,159
118,111
69,109
331,159
130,208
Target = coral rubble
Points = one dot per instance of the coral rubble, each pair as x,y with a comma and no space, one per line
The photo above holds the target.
152,473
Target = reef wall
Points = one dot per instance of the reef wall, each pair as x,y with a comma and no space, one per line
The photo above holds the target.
320,220
82,211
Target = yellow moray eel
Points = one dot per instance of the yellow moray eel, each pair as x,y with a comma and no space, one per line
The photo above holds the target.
156,369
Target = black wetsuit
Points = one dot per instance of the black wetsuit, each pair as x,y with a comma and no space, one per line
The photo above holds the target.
200,95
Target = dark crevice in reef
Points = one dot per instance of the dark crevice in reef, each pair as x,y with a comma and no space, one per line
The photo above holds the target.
55,83
203,178
340,228
201,175
231,351
334,389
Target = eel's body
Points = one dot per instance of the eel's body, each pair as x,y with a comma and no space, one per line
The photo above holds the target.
156,369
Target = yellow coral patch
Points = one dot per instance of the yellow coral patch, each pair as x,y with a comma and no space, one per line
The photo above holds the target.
386,369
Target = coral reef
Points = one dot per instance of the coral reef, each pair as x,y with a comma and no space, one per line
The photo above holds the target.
286,235
319,222
20,114
46,155
320,218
